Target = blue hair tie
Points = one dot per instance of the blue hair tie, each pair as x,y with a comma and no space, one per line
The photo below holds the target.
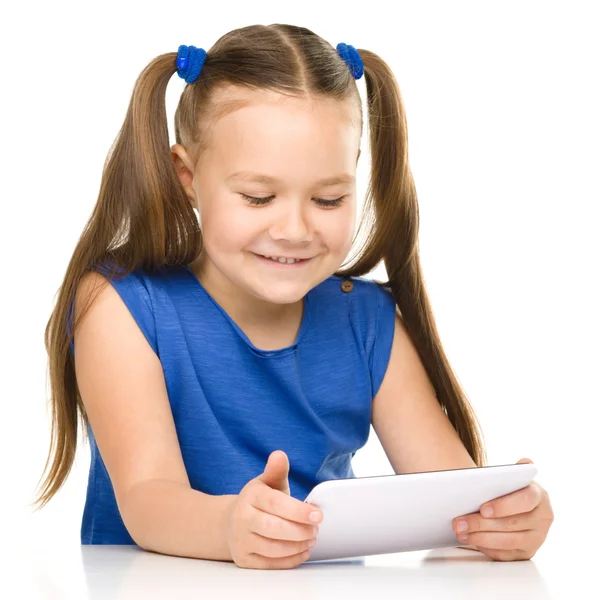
351,56
189,62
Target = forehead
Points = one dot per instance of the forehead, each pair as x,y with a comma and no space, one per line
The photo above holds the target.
273,128
231,98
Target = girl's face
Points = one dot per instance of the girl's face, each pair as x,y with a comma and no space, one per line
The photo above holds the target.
297,144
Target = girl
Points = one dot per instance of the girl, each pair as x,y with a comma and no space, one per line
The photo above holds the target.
226,337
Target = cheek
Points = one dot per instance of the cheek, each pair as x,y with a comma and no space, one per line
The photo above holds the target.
227,232
338,231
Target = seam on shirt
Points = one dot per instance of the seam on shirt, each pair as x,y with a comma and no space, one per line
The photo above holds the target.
94,504
381,290
147,306
354,318
378,291
149,290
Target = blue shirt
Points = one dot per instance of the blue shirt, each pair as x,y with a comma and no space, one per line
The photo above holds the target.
233,404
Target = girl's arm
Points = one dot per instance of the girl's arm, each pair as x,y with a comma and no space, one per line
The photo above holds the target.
405,406
123,389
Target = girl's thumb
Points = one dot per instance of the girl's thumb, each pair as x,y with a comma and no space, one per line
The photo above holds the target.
276,471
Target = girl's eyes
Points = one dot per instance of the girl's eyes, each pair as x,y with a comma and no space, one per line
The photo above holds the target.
320,201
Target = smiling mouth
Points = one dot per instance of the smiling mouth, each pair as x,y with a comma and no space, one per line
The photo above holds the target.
291,264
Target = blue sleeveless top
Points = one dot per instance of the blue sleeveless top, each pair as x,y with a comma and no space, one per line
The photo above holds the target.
233,404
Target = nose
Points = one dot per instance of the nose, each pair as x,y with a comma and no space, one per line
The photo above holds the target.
292,225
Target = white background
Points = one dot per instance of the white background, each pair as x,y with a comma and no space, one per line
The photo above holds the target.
499,100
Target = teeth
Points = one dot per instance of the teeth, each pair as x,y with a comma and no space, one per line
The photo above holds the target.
281,259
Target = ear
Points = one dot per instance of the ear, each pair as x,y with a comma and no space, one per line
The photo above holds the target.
183,167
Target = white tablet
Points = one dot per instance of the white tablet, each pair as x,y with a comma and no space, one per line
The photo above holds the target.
405,512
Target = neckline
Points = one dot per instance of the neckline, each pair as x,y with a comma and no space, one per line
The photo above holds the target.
306,317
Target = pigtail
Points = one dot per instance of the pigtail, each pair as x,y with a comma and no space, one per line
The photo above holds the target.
140,186
391,217
143,219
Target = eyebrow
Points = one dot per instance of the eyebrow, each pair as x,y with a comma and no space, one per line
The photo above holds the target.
260,178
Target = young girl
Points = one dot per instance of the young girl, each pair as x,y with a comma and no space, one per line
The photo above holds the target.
205,345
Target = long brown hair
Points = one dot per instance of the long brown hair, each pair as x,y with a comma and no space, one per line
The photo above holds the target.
143,218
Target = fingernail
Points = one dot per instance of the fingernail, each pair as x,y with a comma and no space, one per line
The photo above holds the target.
311,543
461,526
488,511
315,517
463,537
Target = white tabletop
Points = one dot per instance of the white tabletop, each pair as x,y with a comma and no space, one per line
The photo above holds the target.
118,572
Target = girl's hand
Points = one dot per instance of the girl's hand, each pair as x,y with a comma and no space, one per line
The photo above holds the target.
266,528
517,528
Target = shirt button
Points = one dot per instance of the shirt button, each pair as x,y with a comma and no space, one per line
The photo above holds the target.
347,286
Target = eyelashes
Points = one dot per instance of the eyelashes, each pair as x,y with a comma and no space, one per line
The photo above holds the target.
262,201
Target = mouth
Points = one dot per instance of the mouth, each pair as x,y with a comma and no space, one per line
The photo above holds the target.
276,263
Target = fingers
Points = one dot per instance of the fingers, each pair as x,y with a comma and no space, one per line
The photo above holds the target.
274,527
287,562
521,501
268,529
469,547
495,540
282,505
505,555
274,548
475,522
